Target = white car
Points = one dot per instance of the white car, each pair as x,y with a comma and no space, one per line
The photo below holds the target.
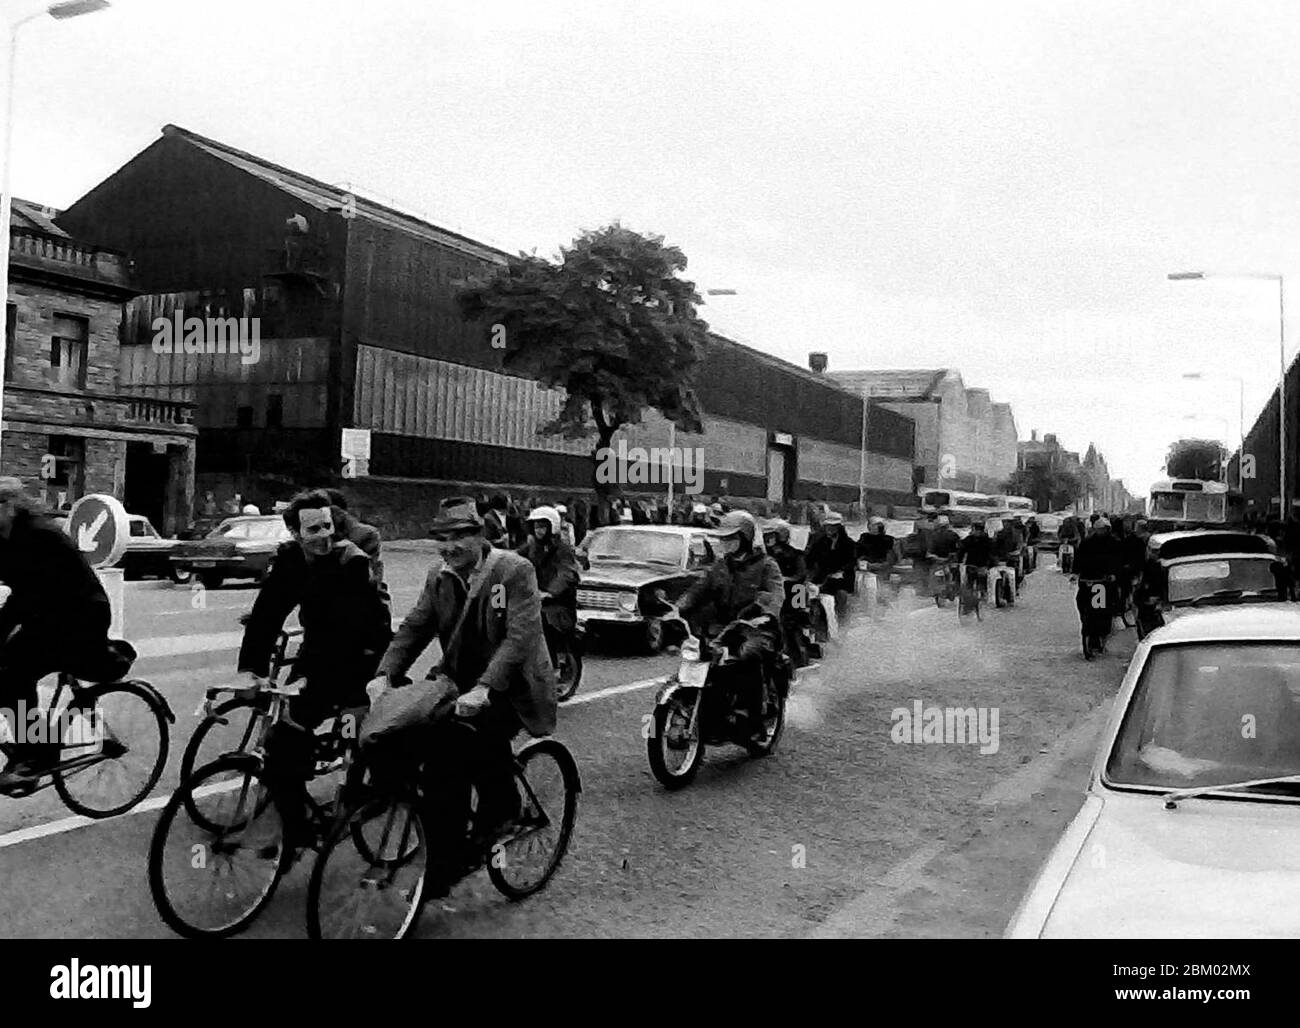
1191,824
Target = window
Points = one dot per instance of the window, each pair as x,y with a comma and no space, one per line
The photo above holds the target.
68,352
275,411
11,334
243,417
65,470
141,529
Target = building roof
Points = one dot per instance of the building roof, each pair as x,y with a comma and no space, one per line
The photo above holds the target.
788,367
909,383
34,218
323,196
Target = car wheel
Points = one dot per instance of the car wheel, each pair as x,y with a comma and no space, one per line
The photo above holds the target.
181,576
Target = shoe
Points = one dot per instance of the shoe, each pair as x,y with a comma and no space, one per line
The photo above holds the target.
29,765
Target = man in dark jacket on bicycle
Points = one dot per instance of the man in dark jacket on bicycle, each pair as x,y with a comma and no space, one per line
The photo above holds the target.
346,628
1099,557
56,619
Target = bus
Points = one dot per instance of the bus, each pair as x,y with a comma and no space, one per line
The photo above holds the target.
1020,507
1195,502
962,508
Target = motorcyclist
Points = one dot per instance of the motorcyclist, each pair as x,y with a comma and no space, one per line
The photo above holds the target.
743,583
916,548
832,562
557,571
879,550
1006,545
794,572
700,516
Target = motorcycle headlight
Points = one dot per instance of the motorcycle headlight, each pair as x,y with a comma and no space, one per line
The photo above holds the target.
627,601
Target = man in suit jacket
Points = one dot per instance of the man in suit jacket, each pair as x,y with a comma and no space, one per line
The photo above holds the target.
498,662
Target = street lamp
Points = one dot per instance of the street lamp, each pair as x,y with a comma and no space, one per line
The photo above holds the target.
60,12
1186,276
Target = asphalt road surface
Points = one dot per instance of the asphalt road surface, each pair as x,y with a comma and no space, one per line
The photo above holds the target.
845,831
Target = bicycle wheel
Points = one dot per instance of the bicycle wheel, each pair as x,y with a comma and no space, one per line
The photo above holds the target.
524,860
212,879
115,744
230,728
375,894
568,672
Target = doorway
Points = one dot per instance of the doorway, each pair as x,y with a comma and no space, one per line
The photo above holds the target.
147,473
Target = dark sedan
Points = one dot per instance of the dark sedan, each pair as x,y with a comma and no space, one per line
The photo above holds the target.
240,547
627,565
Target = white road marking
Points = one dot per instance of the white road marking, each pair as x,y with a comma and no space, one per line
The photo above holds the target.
614,690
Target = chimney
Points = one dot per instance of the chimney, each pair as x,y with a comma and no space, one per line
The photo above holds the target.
817,361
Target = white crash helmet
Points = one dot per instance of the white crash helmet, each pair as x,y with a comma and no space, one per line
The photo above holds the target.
548,514
251,508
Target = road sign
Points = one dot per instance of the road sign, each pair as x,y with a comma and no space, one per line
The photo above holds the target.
98,526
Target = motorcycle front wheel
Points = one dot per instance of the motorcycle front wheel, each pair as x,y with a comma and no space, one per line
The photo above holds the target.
764,743
675,753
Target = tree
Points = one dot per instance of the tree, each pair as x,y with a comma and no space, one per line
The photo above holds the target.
1196,458
1049,488
609,323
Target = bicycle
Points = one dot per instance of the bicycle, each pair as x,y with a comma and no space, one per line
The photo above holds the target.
241,713
251,828
93,742
1096,618
350,885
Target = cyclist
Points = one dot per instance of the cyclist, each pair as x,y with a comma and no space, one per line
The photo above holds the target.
976,553
557,573
483,607
1006,549
56,619
1099,557
346,627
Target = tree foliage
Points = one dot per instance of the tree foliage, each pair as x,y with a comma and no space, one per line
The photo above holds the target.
1049,488
1196,458
609,323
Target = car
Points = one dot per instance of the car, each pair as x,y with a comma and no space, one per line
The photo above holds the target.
239,547
1171,840
1186,571
627,566
149,554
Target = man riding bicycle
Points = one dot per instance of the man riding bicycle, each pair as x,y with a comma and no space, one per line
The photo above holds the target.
742,583
56,619
482,605
976,553
1098,559
558,574
346,627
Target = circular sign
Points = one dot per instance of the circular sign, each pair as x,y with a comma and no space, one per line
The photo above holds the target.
99,529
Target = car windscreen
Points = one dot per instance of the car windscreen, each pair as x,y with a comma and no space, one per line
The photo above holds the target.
1211,713
266,529
1206,577
230,530
636,547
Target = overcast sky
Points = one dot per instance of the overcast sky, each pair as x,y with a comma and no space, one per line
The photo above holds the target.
995,187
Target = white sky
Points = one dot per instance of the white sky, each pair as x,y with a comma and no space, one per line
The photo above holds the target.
997,187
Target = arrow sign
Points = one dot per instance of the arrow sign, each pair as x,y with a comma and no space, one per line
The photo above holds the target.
99,526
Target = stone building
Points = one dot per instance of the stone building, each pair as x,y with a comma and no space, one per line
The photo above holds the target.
69,428
964,440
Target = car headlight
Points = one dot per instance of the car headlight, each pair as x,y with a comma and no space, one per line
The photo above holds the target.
627,601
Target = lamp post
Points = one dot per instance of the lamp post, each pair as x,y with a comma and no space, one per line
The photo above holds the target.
1184,276
60,12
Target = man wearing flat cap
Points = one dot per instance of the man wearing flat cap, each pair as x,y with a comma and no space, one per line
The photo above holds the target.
483,606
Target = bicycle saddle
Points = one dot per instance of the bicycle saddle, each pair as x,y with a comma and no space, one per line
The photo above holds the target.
112,664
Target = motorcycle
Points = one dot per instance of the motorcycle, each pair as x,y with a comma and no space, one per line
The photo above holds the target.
943,582
797,619
1005,585
703,704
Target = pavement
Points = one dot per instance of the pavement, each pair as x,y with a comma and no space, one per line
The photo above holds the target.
845,831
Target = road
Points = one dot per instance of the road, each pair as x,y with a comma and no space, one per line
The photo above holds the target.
845,831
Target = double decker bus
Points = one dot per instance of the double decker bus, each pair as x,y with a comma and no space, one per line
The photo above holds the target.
1019,507
1195,502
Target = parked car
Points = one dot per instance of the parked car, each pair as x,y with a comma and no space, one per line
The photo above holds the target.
148,554
239,547
200,528
1187,571
627,565
1191,822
